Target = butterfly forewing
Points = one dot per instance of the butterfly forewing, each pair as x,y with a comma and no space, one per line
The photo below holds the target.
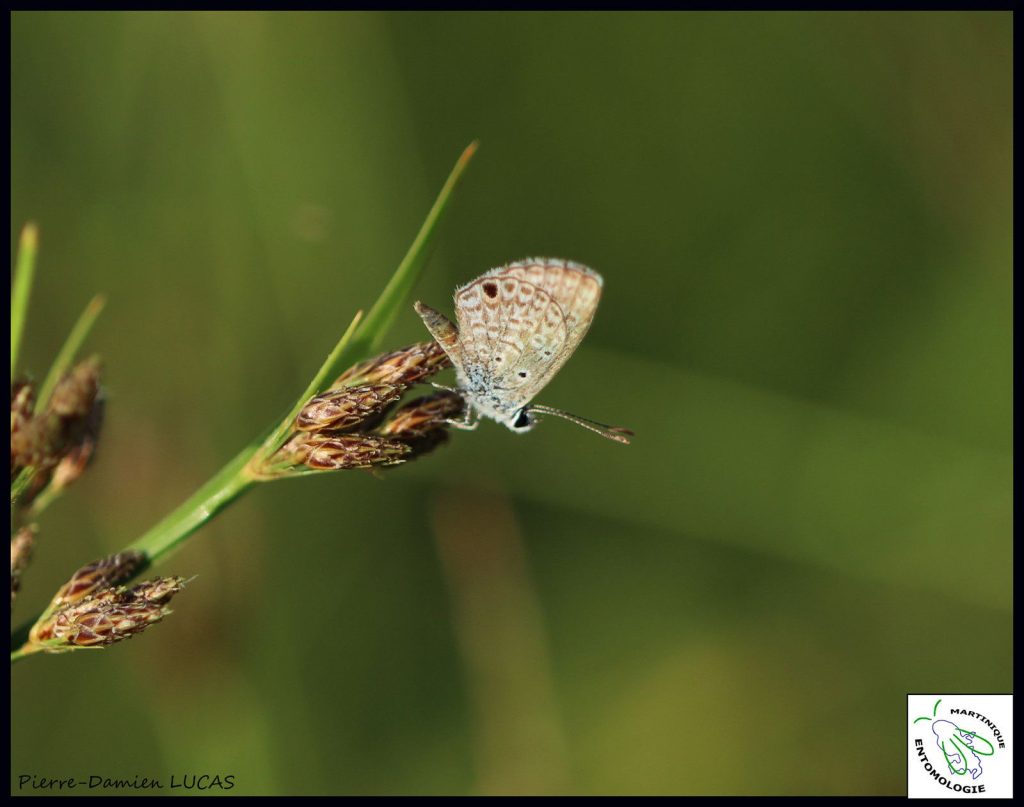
502,321
575,290
519,324
573,286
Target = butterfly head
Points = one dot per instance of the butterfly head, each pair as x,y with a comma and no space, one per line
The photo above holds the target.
521,420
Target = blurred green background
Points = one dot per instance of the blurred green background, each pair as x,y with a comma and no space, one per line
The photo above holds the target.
804,226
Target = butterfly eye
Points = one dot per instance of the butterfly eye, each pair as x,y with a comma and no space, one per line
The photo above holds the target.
522,421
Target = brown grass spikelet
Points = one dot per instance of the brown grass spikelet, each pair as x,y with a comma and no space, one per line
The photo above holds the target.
422,415
427,442
28,439
158,590
105,625
98,575
21,554
60,441
107,616
75,393
80,449
422,424
23,401
339,409
73,464
334,452
342,428
404,367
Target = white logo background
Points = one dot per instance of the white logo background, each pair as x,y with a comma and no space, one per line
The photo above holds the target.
930,777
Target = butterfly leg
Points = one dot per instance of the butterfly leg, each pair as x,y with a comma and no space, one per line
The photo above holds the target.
468,422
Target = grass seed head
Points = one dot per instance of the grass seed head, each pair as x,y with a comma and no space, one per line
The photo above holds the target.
60,441
104,624
422,415
405,367
106,616
75,393
23,401
341,428
340,409
96,576
157,590
80,448
334,452
21,554
29,439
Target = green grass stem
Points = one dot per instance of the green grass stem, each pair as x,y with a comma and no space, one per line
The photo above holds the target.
21,288
240,474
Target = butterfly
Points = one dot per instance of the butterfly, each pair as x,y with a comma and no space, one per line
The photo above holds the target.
517,325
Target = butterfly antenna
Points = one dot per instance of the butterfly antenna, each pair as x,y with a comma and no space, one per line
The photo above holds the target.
616,433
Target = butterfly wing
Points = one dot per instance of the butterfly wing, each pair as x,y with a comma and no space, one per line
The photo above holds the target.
575,287
519,324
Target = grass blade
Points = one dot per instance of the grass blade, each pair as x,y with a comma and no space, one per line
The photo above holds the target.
242,472
366,334
24,271
371,333
70,349
20,483
278,435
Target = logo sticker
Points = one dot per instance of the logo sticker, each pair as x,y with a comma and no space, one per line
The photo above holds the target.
959,746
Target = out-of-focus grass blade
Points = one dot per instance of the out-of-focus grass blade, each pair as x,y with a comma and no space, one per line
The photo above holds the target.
382,314
20,483
277,436
365,334
70,349
24,271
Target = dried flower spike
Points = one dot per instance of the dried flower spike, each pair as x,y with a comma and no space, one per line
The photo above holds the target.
59,442
21,554
106,625
75,393
96,576
343,408
340,428
107,616
23,401
83,435
404,367
158,590
422,415
28,440
334,452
